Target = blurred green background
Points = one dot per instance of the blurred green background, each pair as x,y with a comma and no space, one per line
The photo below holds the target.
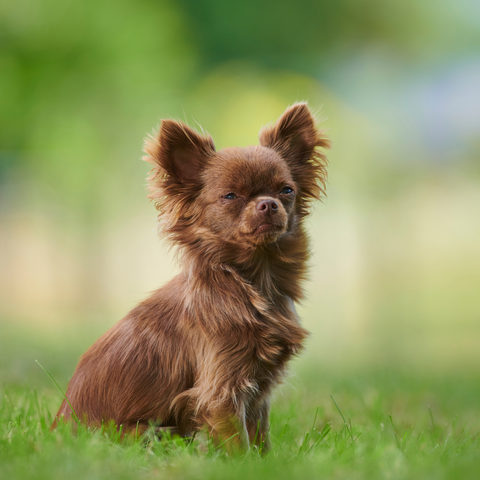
395,277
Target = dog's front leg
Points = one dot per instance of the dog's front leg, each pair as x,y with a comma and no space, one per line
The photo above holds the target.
227,424
258,424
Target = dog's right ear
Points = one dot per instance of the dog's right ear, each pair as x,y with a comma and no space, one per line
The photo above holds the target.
180,152
295,137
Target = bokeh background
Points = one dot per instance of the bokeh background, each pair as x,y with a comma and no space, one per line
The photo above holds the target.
395,271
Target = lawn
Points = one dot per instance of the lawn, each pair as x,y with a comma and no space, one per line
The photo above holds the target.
330,419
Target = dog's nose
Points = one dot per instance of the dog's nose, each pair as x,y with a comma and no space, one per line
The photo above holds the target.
267,207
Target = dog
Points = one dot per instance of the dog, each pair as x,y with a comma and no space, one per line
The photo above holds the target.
207,349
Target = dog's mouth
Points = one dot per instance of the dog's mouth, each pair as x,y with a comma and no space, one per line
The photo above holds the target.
263,233
268,228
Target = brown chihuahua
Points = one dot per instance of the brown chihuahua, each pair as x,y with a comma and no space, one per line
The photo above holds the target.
208,348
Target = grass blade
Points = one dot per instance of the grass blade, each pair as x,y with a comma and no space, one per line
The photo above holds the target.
344,421
74,415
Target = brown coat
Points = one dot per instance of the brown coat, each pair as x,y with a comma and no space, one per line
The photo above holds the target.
207,348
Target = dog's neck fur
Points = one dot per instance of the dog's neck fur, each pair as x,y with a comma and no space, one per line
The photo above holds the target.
274,270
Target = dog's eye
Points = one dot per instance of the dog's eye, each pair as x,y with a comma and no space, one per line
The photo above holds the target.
287,190
230,196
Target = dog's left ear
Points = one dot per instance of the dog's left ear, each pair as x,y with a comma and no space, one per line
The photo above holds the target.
180,152
178,156
296,138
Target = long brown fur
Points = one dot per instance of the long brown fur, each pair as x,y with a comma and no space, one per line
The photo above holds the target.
208,347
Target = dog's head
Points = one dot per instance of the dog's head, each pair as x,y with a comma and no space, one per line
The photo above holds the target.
249,196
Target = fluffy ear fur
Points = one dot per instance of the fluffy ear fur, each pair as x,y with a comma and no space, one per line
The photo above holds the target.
179,151
295,137
178,155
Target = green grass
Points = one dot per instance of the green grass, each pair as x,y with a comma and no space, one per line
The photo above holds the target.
330,420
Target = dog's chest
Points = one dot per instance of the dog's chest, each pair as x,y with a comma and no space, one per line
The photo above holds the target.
276,339
268,360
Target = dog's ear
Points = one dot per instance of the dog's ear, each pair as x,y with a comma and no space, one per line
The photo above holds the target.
296,138
180,152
